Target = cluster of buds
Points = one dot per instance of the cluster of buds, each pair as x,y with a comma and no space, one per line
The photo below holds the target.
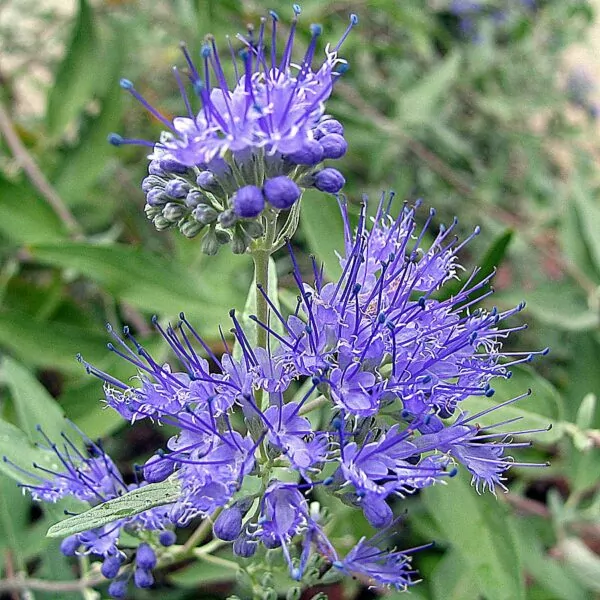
252,148
225,200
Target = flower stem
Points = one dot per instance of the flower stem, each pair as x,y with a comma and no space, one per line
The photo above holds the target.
200,534
261,255
261,277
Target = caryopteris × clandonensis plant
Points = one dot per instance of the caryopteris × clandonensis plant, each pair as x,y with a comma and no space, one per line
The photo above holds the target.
354,394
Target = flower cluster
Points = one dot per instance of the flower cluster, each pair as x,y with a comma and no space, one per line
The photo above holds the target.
80,469
252,148
389,361
356,394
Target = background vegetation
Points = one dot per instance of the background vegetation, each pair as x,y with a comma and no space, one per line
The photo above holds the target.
467,105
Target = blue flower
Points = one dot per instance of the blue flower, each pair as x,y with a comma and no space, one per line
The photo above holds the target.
275,102
92,477
388,357
385,568
267,129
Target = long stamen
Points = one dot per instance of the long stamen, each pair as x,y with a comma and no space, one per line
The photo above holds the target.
128,86
353,23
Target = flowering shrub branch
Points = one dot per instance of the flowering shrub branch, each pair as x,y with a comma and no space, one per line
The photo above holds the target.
354,396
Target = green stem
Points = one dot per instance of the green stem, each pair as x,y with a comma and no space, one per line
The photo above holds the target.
217,560
261,255
87,592
200,534
316,403
261,277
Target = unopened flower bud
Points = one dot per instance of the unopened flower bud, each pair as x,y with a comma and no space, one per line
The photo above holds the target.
334,145
167,538
207,180
118,589
150,182
154,168
161,223
222,237
145,557
248,202
156,197
168,165
253,228
143,578
210,244
228,218
329,180
173,212
177,188
281,192
194,198
70,545
228,524
311,153
152,211
378,513
111,565
271,543
244,545
293,593
157,469
328,126
205,214
191,228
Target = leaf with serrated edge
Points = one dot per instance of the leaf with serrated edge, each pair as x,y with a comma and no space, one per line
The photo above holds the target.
128,505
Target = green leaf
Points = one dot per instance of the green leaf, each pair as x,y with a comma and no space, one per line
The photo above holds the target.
419,104
18,448
449,581
574,243
558,304
55,566
200,573
128,505
25,218
582,562
477,529
323,228
76,78
546,571
589,219
145,280
14,515
586,412
583,375
49,344
82,165
33,404
491,260
542,408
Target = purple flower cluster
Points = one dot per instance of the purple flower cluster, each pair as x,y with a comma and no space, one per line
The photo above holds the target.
390,362
250,148
83,471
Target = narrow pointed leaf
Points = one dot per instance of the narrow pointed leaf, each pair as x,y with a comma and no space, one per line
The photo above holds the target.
128,505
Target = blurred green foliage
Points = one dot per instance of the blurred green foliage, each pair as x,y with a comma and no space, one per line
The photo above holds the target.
482,126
